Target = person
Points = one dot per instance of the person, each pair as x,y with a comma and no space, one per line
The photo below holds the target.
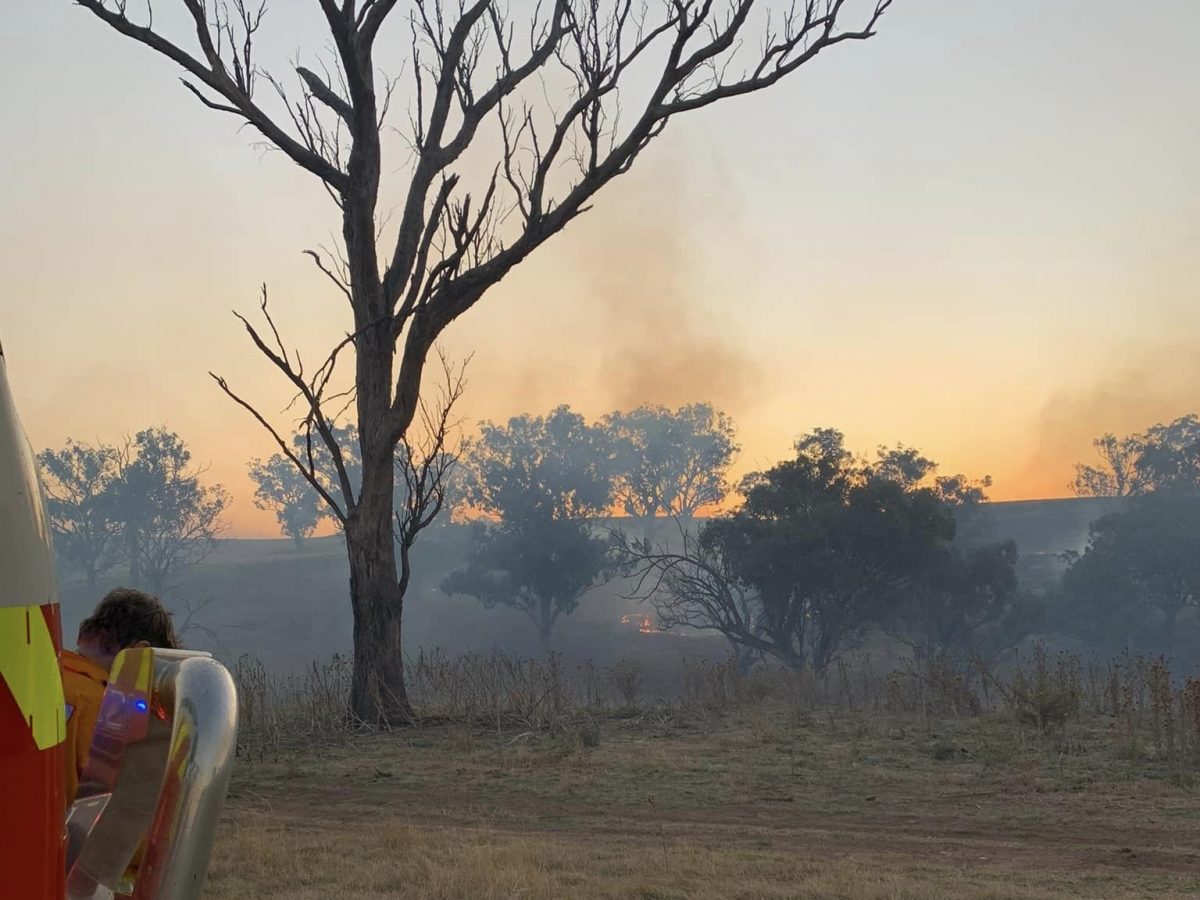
124,618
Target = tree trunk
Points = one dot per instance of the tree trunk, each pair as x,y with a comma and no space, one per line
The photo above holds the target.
377,693
544,633
545,624
135,558
743,659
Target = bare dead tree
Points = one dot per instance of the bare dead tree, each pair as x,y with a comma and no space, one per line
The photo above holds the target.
693,587
544,101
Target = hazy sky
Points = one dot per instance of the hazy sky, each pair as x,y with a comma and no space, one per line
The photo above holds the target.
976,233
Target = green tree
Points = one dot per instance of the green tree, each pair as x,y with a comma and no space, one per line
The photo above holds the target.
671,462
825,547
80,483
962,601
1137,575
1169,457
1163,457
281,488
171,519
542,567
1117,474
540,482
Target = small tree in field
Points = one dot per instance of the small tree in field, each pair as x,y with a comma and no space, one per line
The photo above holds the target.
279,487
170,519
541,482
80,483
551,109
542,568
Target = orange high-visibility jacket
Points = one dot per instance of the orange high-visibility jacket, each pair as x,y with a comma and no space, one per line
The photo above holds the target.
84,684
83,689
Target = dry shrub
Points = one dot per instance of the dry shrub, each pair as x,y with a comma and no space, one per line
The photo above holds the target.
627,679
938,686
1044,691
277,709
490,689
1190,698
1162,706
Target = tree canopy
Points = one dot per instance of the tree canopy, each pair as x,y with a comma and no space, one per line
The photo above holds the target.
1163,457
82,486
670,462
540,481
1138,573
280,488
532,468
171,519
143,502
825,547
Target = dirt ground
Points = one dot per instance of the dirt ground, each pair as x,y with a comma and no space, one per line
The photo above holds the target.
749,806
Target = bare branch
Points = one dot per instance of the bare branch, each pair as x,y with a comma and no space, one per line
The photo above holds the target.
326,94
426,463
214,75
307,391
307,470
338,282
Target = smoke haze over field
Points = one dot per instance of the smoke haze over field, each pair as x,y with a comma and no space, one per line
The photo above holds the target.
644,274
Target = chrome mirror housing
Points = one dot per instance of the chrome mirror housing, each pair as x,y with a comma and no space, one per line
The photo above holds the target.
159,768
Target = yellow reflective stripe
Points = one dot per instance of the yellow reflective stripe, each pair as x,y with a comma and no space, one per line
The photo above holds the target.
144,658
182,733
29,667
146,672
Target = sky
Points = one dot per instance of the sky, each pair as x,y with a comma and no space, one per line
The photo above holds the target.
975,234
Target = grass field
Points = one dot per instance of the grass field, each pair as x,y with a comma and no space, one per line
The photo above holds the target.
763,800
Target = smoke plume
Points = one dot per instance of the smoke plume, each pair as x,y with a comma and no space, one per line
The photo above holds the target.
1144,384
664,337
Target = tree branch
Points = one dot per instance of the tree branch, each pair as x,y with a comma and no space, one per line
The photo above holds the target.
216,78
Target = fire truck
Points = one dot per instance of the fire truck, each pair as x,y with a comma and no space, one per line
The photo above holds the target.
160,757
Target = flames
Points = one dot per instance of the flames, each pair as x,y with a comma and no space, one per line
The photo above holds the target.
645,625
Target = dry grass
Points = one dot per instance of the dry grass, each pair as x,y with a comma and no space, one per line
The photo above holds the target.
396,860
756,788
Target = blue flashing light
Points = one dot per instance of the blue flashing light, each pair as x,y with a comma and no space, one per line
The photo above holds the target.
140,705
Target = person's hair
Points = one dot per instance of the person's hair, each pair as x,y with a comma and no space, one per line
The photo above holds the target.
126,616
